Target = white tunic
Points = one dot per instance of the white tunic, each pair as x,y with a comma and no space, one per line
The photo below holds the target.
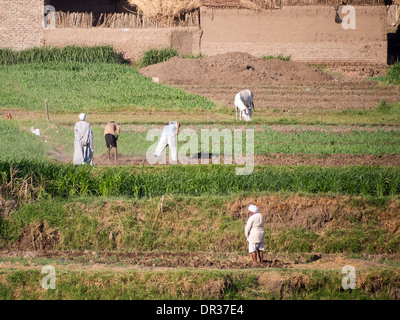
168,138
83,143
254,229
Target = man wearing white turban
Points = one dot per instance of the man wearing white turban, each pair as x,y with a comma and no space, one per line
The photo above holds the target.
254,232
83,143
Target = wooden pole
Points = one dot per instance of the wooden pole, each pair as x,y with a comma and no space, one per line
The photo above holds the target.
47,109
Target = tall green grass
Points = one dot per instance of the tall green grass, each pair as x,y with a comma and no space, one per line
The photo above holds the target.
67,54
195,180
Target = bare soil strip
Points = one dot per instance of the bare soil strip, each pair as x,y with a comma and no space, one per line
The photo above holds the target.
150,259
275,159
333,97
274,127
123,261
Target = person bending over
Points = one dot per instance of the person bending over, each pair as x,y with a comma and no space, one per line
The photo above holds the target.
111,134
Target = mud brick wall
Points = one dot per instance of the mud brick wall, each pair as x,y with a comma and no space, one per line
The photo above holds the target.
21,24
306,33
131,42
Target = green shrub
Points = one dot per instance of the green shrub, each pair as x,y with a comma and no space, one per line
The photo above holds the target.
393,76
154,56
279,57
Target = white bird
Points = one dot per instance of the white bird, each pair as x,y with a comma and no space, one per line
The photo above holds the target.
244,104
36,131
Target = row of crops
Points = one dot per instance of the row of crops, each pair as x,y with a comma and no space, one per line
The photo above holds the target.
48,179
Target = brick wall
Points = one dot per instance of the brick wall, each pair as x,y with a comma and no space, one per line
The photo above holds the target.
21,24
306,33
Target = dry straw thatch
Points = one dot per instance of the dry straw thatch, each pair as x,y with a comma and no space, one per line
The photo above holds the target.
74,19
246,4
122,20
276,4
185,13
161,9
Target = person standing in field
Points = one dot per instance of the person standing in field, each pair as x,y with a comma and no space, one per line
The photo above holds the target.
83,143
111,134
254,232
168,138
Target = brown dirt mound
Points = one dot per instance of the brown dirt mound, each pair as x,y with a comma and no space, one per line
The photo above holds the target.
38,236
294,212
234,68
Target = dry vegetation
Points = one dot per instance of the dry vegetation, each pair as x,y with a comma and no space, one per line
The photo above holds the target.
161,9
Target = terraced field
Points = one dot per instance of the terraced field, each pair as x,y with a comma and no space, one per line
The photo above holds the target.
334,96
326,178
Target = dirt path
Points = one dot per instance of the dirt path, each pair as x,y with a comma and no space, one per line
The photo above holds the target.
156,261
275,159
148,259
275,127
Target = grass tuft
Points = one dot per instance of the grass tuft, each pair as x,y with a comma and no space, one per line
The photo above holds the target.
393,76
279,57
154,56
67,54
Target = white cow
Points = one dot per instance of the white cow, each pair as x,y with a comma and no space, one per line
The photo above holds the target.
244,103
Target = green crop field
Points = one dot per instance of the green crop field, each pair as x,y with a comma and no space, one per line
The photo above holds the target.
79,87
150,232
359,141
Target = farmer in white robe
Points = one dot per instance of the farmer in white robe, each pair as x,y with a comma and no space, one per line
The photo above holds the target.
168,138
254,232
83,145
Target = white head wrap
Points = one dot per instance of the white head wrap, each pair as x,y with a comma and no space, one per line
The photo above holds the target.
82,116
253,208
